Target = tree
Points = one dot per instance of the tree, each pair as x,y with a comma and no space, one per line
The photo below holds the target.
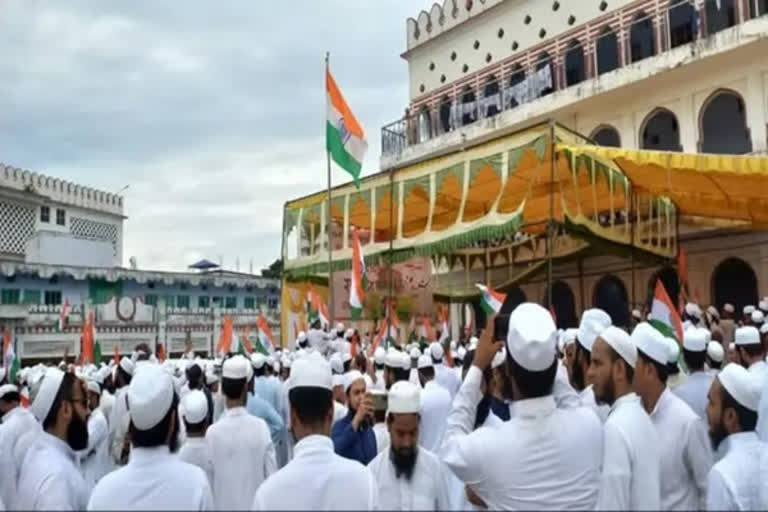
274,271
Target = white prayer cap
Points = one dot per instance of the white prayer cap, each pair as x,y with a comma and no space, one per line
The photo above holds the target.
235,367
276,366
593,322
94,387
211,378
712,310
452,345
424,362
337,366
6,389
393,359
569,336
461,352
696,339
403,398
741,385
258,360
302,336
499,358
673,350
715,351
345,357
748,335
287,362
312,371
650,342
339,326
351,377
349,333
150,396
379,355
46,393
531,337
473,341
637,314
415,353
337,380
560,343
748,310
764,328
758,317
729,308
128,365
621,343
436,350
693,310
195,407
269,360
763,305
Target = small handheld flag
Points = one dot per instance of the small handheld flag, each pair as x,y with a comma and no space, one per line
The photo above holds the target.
491,300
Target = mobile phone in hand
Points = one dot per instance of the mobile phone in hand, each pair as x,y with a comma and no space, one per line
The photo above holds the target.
500,327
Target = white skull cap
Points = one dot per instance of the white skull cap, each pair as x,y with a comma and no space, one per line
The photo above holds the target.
404,398
715,351
741,385
593,322
46,393
150,396
621,343
650,342
748,335
311,371
531,337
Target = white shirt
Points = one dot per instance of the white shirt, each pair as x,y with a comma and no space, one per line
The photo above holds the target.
694,392
243,457
339,412
94,460
630,479
735,481
49,477
119,421
447,378
426,490
382,436
379,384
685,453
195,451
153,479
17,431
434,409
529,462
413,377
106,401
318,479
587,398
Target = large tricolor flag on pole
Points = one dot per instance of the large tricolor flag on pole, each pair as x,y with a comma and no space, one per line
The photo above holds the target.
266,339
344,137
228,342
10,361
491,300
393,323
357,286
664,316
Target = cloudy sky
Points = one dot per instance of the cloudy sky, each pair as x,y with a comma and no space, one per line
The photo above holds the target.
212,112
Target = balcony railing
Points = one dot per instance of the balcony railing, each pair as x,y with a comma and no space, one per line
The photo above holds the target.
640,30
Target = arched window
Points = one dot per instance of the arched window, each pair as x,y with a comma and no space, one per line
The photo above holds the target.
425,124
574,63
611,296
734,281
516,77
724,125
564,305
720,14
542,62
492,104
607,51
682,23
606,136
468,107
762,7
641,38
445,115
661,132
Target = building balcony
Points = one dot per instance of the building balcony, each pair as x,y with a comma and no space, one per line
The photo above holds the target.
635,43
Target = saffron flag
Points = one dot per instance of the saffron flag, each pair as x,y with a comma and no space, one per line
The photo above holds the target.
160,352
378,338
491,299
266,339
344,137
393,324
664,317
117,353
444,330
357,286
86,350
428,333
245,347
64,315
227,339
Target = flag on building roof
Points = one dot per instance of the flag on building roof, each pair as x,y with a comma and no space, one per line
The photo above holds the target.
664,317
266,339
358,282
344,137
491,300
64,315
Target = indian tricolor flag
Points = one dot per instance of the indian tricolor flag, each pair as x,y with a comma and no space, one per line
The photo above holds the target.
344,137
664,317
357,286
491,299
266,339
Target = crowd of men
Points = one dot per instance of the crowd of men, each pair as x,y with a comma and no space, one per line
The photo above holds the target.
593,417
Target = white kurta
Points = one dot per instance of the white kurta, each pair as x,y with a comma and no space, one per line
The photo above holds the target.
447,378
630,479
318,479
195,451
382,436
694,392
587,397
50,478
685,453
119,422
426,490
413,377
94,460
434,409
339,412
243,457
735,481
153,479
106,401
529,462
18,429
379,384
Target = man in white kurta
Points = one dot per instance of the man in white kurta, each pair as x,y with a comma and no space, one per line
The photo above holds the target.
119,419
404,482
444,375
195,449
435,406
154,478
17,422
531,461
630,474
241,446
315,478
695,388
94,460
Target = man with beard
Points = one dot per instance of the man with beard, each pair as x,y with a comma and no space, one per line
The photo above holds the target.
315,478
408,476
630,478
593,322
695,388
750,350
435,406
544,457
94,460
242,449
154,478
119,418
353,435
685,457
15,422
444,376
49,477
735,480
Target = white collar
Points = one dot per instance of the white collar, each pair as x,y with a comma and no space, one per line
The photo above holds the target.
663,397
625,399
734,441
313,444
533,407
58,445
144,456
235,411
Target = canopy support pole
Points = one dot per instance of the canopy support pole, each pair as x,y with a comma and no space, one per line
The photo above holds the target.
632,247
390,309
328,226
551,222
